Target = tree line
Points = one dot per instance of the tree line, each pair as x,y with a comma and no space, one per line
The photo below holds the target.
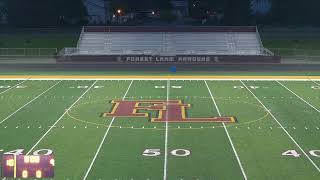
294,12
230,12
282,12
45,12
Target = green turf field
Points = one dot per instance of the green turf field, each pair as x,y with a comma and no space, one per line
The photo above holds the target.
276,135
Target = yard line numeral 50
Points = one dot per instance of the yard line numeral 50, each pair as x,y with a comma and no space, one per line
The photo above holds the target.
294,153
175,152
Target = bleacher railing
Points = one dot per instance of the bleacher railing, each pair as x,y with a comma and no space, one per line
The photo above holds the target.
28,52
262,49
80,37
266,51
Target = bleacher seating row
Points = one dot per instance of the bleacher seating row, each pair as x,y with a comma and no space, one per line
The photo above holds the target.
211,43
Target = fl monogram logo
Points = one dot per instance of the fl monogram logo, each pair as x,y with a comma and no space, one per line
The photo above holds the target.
171,111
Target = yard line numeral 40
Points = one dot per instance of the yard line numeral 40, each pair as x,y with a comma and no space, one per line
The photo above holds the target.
176,152
294,153
36,153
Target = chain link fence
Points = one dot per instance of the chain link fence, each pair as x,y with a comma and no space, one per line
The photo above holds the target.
28,52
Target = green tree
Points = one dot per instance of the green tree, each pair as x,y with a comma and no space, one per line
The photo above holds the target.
313,14
281,11
199,9
237,12
129,5
70,8
43,12
295,12
4,7
165,8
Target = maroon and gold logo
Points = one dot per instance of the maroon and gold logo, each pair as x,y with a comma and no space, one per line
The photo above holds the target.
171,111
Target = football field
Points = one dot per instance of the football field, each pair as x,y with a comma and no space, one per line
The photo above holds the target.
166,128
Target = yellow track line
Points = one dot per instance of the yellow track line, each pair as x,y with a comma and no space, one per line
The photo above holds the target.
48,77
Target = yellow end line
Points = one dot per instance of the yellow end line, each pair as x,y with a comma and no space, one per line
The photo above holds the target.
141,77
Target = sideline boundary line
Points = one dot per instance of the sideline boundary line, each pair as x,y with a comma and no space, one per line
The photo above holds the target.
226,130
164,77
45,134
29,102
293,140
299,97
104,137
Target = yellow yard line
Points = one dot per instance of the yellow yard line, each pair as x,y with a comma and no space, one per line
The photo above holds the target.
48,77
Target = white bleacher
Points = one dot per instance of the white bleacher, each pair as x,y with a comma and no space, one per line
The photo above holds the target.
211,43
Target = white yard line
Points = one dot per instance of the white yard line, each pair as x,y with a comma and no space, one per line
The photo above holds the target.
104,138
226,130
28,103
315,82
13,86
166,135
45,134
293,140
299,97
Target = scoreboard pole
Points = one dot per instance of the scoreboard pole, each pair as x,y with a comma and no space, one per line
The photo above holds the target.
15,166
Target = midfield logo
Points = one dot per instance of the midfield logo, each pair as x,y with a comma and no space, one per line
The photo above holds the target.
171,111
